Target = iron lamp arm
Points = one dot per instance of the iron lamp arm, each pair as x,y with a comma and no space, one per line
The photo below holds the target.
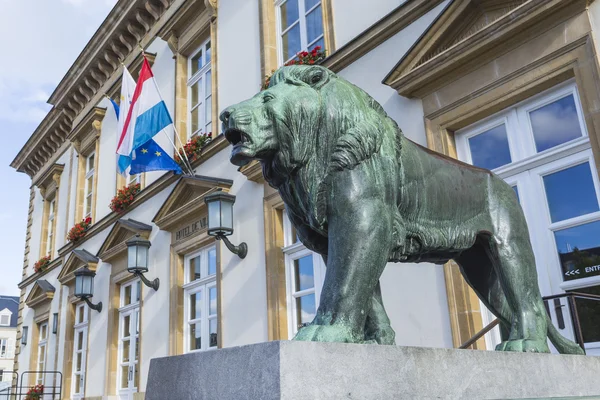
97,307
241,250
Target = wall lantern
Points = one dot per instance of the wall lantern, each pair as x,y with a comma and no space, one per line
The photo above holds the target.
24,337
220,220
84,287
137,260
55,323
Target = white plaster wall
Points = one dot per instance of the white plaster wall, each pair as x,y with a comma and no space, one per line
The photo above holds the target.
239,52
414,295
243,285
351,17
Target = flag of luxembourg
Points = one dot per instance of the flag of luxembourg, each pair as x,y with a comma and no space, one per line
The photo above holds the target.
127,90
147,114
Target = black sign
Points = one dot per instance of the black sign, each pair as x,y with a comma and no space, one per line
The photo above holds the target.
190,229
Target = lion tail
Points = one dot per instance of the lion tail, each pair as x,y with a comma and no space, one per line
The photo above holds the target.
562,344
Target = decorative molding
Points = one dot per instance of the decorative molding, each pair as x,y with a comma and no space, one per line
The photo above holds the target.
253,171
123,230
76,260
84,135
40,293
49,181
452,47
187,200
189,26
376,34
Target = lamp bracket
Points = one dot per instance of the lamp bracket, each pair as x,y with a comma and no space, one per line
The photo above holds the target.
97,307
151,284
240,250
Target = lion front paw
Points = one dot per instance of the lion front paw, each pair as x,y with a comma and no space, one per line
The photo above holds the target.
327,333
524,346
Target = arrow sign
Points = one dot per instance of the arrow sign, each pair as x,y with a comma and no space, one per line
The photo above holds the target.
572,273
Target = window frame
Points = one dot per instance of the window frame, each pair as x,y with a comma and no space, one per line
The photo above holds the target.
50,228
302,14
88,196
295,250
42,343
203,96
202,285
80,327
131,309
5,315
521,141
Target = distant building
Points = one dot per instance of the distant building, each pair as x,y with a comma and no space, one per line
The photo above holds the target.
9,313
507,85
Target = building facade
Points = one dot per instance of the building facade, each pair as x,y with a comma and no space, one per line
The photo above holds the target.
9,311
507,85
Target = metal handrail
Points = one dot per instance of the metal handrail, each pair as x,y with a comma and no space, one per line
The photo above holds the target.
571,296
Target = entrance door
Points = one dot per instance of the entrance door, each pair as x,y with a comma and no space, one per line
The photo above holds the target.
128,371
79,352
541,148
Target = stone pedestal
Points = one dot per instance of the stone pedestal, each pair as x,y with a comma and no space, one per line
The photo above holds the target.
305,370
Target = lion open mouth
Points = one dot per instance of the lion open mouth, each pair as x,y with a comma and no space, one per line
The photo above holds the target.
240,154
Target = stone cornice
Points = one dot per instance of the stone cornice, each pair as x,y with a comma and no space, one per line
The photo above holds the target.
379,32
50,178
130,23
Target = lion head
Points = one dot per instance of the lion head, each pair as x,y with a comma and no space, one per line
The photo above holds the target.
307,117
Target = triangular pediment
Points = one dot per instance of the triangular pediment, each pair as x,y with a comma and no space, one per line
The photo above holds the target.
123,230
76,260
460,22
187,199
41,293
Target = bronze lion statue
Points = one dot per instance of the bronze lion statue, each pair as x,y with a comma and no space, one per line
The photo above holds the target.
361,194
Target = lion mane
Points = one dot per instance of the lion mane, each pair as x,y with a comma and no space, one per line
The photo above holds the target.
348,128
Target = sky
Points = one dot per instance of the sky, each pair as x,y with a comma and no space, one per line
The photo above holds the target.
40,40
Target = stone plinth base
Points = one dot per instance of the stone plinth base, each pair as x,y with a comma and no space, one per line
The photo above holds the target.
303,370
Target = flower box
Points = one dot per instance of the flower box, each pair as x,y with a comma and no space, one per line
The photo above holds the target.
124,198
315,56
193,148
79,230
35,393
41,264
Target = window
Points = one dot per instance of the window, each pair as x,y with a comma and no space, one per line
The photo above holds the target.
50,230
541,148
200,91
129,334
79,351
200,294
300,25
4,348
42,347
304,273
5,320
133,179
89,185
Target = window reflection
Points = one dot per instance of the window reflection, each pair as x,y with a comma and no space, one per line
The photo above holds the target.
579,250
304,271
571,193
555,123
306,308
291,42
490,149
